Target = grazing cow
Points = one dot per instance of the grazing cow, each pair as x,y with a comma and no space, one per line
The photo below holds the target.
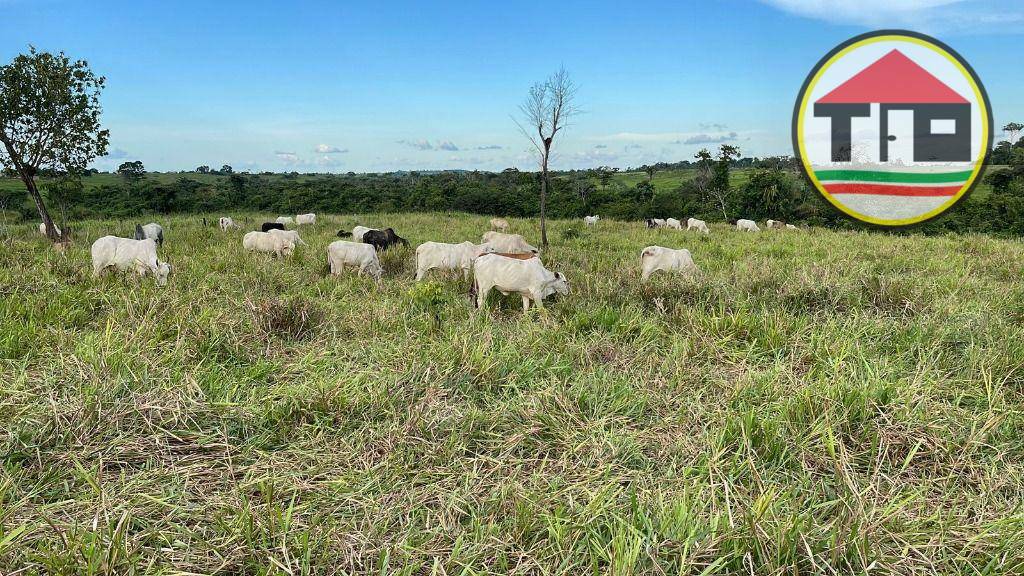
343,234
358,231
528,278
128,254
513,243
499,224
292,235
775,224
363,256
285,220
305,218
791,227
151,230
673,223
698,225
655,223
268,226
591,220
268,242
430,255
654,258
42,229
383,239
226,222
747,225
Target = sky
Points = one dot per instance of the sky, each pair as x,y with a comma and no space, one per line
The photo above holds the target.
385,86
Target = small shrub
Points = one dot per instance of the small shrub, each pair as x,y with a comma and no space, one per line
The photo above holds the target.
570,234
430,299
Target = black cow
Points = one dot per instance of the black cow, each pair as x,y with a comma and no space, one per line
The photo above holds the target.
651,223
383,239
268,226
343,234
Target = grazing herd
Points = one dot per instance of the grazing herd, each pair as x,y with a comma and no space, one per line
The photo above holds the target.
503,261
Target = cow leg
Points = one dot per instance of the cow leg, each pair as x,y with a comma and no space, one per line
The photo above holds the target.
538,299
420,273
526,302
481,295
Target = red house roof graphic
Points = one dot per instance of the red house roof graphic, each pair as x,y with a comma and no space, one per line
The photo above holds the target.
893,79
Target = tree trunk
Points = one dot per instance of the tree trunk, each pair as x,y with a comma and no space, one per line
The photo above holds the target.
44,214
543,200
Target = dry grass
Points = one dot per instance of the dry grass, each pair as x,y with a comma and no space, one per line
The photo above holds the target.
816,402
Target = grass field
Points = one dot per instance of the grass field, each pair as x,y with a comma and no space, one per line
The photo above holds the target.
813,402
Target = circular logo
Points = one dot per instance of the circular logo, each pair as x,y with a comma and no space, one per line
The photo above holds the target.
892,127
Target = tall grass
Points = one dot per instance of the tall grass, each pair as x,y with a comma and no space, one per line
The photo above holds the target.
815,402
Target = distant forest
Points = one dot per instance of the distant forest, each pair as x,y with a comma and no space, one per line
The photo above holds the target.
716,187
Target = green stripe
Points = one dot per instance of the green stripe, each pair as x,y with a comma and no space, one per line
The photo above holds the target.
901,177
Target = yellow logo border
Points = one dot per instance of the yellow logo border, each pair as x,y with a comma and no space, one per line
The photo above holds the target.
921,40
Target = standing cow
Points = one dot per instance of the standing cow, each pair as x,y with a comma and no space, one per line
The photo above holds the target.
305,218
341,253
528,278
745,225
151,230
591,220
383,239
499,224
698,225
430,255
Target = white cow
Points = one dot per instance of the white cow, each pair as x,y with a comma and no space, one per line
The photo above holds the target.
305,218
528,278
591,220
226,222
499,224
152,230
267,242
292,235
42,229
654,258
358,231
430,255
747,225
128,254
673,223
698,225
363,256
285,220
791,227
511,243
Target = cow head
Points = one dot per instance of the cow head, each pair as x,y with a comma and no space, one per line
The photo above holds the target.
163,270
559,284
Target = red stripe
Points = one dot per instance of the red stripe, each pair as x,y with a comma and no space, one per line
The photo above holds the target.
892,190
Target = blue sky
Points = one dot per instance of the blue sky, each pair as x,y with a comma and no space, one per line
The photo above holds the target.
381,86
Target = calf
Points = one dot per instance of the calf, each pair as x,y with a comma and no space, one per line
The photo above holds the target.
383,239
673,223
268,226
591,220
363,256
226,222
152,230
654,258
528,278
128,254
499,224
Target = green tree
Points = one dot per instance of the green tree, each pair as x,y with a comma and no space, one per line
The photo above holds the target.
132,171
1013,129
227,169
49,120
204,169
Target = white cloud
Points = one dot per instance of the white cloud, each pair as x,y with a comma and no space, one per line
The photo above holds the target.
288,158
326,149
447,145
950,16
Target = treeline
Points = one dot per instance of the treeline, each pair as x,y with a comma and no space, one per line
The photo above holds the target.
771,188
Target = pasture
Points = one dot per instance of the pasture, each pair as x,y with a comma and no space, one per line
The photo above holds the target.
813,402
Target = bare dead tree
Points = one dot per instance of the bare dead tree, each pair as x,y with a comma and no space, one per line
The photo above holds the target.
545,112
